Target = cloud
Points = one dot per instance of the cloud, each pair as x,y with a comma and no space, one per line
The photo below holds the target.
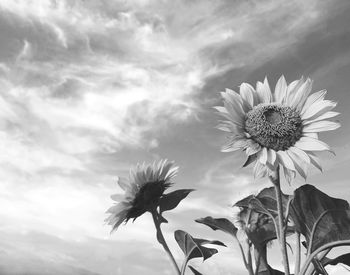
37,253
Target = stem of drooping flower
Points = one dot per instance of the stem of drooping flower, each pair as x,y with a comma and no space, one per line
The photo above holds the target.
162,241
281,232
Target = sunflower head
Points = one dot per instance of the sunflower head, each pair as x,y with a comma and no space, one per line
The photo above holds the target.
274,126
147,198
277,128
143,191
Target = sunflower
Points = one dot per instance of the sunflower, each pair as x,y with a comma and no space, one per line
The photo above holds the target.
143,191
277,129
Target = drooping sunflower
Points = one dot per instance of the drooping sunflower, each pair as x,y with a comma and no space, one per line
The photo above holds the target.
277,129
143,190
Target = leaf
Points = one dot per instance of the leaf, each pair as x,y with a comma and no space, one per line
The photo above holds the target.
265,200
219,224
259,228
195,272
342,259
315,211
193,248
255,215
171,200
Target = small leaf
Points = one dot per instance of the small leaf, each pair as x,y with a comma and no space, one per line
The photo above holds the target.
171,200
193,248
342,259
195,272
162,219
219,224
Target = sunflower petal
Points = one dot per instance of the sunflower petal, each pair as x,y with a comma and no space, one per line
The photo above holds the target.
271,156
301,95
235,112
118,222
117,208
303,155
235,145
292,90
313,98
262,156
259,170
285,160
264,92
231,116
280,90
123,183
311,135
231,127
250,159
289,175
236,100
311,144
326,115
321,126
252,147
317,109
271,160
299,164
315,161
247,93
117,197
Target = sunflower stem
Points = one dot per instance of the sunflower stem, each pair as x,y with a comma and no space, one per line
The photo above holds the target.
281,232
162,241
297,254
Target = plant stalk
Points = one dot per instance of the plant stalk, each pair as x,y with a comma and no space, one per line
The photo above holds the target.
162,241
281,232
297,254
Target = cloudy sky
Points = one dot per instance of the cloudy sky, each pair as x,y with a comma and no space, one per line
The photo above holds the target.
89,88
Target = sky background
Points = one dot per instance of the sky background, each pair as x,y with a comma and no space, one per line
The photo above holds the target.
90,88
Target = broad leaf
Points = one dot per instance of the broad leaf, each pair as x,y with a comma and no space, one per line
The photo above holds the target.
219,224
255,215
310,206
264,201
193,248
171,200
195,271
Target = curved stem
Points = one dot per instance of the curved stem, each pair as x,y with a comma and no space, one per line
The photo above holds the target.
162,241
318,250
183,268
281,226
315,227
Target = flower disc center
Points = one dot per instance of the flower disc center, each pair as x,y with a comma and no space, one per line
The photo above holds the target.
273,126
272,116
